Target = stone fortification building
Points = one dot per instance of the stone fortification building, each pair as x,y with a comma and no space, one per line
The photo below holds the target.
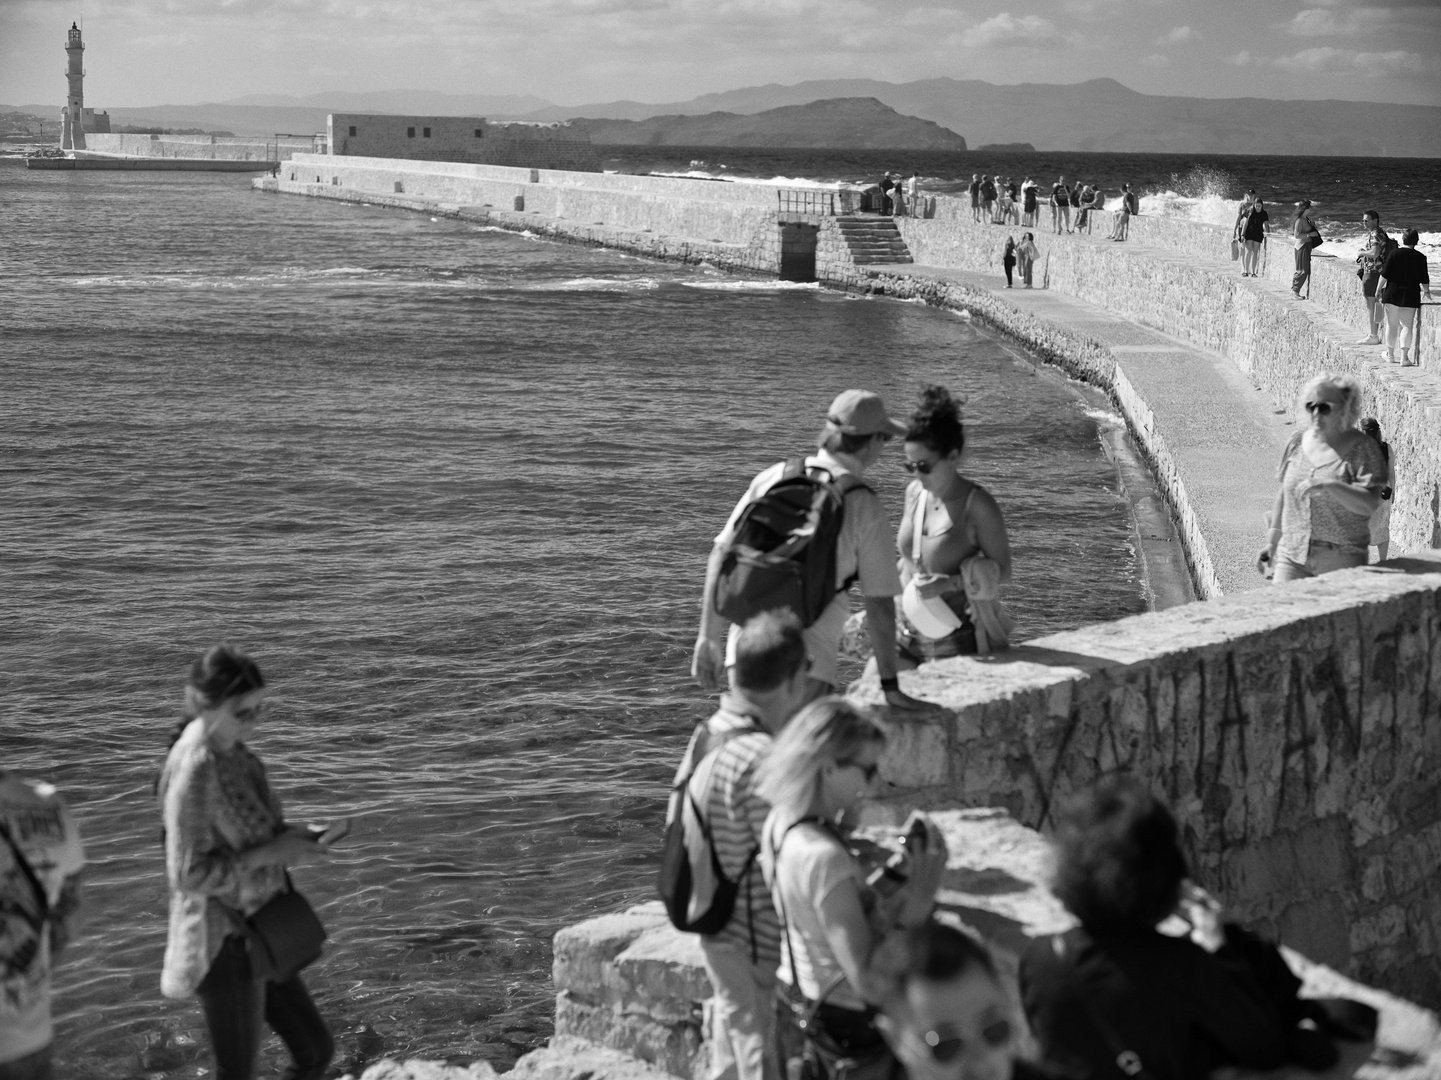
470,139
75,118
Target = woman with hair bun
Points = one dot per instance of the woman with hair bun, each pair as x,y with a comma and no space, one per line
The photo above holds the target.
955,553
1331,476
226,849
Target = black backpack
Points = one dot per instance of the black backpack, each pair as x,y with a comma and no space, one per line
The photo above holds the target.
783,554
679,881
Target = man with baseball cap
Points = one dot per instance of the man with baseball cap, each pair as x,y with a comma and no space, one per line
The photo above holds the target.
856,431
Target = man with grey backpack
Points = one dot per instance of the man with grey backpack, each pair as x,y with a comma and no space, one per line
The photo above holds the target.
803,533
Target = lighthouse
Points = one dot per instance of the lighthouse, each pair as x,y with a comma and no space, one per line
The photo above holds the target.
72,125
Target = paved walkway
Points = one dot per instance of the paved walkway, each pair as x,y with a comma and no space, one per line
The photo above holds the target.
1223,433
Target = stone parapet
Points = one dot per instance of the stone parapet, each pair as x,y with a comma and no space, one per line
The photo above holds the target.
213,147
1296,732
644,985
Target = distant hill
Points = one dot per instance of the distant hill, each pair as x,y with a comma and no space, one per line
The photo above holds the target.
857,123
1099,115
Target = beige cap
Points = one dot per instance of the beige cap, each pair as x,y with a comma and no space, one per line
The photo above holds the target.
861,412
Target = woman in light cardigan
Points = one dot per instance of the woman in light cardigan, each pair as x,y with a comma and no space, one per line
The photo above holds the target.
226,849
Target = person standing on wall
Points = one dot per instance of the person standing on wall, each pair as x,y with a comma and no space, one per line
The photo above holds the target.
1028,203
855,434
988,199
1404,277
1371,259
1129,205
887,206
768,683
912,192
1008,258
1061,205
1254,228
1304,236
975,190
1026,256
40,863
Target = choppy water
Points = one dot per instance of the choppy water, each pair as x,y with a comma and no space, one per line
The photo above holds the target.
454,488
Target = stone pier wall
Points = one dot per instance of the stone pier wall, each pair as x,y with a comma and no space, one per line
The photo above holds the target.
1296,732
1167,277
219,147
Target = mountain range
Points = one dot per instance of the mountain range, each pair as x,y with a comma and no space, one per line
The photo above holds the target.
855,123
1098,115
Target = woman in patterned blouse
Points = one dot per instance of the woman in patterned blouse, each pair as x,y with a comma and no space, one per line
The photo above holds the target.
226,849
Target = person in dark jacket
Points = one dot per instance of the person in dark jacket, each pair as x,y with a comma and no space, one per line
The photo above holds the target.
1008,258
1116,997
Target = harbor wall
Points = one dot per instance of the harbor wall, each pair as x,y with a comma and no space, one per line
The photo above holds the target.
1170,276
219,147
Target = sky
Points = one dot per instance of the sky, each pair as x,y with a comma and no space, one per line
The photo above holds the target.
153,52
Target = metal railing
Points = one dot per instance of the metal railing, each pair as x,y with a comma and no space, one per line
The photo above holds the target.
812,201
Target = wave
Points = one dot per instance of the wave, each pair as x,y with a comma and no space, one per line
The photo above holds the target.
773,181
746,285
596,284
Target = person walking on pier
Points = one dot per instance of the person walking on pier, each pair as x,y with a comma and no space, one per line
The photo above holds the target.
1304,236
855,434
1381,519
1026,256
768,682
1008,258
1331,480
1372,257
1255,226
1404,278
40,863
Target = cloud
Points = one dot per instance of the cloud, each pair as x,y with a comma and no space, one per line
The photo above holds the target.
1319,22
1372,64
1008,31
1178,36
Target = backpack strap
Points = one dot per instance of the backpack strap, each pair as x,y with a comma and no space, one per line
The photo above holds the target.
42,898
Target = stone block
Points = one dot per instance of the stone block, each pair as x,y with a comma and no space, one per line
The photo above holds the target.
575,1059
1318,927
670,1048
583,953
415,1069
662,975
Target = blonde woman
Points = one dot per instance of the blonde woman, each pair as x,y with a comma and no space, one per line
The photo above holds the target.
1332,476
820,769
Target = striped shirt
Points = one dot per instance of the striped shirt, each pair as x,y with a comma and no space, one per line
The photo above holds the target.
736,815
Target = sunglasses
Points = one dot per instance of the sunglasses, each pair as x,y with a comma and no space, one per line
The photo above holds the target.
247,715
945,1045
922,467
1320,408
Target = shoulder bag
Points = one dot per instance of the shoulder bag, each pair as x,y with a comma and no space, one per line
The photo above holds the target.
284,936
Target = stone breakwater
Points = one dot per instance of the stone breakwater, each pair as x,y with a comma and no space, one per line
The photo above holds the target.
196,147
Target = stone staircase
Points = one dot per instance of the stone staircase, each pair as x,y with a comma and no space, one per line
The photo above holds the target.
873,240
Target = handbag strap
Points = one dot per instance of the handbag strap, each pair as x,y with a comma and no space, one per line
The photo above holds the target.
812,1007
42,898
918,524
1127,1060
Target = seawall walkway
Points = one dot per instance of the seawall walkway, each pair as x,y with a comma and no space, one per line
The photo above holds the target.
1200,419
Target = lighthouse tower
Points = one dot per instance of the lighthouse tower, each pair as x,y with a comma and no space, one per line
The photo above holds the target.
72,126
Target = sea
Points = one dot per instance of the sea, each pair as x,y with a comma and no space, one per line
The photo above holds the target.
453,488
